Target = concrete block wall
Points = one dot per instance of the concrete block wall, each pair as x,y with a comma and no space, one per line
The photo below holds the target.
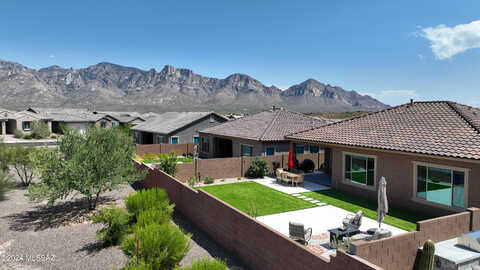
255,244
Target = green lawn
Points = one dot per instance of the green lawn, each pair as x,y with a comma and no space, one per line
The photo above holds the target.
397,217
266,200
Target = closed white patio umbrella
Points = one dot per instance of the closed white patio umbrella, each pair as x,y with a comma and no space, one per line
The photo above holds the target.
382,209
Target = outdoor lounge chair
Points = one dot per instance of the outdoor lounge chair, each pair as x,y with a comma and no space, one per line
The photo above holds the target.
278,175
353,221
298,233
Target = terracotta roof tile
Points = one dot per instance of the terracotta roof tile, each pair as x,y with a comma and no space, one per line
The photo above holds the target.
267,125
436,128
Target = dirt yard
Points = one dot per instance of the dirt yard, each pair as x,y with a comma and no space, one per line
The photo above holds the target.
33,236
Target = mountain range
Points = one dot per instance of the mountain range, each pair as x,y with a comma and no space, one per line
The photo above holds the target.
111,86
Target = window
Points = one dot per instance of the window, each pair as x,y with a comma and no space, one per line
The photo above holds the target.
114,124
205,145
270,151
26,125
103,124
314,149
441,185
174,140
359,169
247,150
300,150
195,139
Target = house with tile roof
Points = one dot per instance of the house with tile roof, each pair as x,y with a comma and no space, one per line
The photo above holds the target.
429,153
175,127
261,134
23,121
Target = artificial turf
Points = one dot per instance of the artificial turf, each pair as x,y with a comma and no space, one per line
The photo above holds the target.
397,217
265,200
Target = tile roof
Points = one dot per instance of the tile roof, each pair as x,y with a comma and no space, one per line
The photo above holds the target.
168,122
440,128
267,125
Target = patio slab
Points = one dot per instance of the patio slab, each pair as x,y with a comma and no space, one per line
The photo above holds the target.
320,219
307,186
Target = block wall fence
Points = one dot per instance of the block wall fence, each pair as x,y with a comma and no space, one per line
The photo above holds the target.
222,167
254,243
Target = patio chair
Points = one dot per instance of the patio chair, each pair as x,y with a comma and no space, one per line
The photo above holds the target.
353,221
278,175
298,233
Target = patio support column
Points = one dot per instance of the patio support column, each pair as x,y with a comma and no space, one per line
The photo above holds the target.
3,129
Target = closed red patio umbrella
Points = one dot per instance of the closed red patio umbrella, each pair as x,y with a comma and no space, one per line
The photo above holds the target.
290,158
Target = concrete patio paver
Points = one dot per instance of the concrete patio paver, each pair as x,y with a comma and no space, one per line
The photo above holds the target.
307,186
320,219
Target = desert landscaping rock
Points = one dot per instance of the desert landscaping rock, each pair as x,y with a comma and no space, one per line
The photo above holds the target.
33,236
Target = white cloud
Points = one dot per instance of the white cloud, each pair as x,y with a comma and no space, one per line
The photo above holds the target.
446,42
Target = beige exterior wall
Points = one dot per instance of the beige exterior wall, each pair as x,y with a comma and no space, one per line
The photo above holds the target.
399,169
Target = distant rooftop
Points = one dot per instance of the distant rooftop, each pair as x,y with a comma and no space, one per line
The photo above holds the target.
440,128
168,122
271,125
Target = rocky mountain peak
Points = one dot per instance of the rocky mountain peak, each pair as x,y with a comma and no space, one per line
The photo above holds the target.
110,85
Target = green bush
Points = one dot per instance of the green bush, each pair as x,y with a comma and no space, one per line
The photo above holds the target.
258,169
147,199
168,163
208,180
18,134
6,183
116,225
140,266
192,181
53,137
206,264
40,130
28,137
160,246
153,216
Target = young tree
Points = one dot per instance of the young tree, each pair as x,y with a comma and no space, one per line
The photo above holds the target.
90,164
40,130
20,158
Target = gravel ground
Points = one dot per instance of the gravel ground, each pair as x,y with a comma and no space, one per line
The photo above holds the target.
33,236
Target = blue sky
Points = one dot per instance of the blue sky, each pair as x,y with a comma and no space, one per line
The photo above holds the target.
393,50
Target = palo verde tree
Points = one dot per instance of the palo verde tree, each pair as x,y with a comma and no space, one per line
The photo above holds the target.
90,164
20,158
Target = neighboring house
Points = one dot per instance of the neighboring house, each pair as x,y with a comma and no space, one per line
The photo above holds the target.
81,118
261,134
175,127
429,153
124,118
23,121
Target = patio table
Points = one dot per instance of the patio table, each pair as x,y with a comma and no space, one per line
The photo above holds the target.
339,234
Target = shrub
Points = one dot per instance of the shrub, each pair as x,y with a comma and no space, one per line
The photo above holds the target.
258,169
116,225
18,134
153,216
5,183
160,246
147,199
28,136
40,130
192,181
20,159
206,264
53,137
168,163
208,180
149,156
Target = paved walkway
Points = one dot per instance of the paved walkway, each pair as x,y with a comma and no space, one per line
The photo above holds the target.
307,187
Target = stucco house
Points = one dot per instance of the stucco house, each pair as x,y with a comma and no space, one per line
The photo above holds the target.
81,119
23,121
175,127
429,153
261,134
